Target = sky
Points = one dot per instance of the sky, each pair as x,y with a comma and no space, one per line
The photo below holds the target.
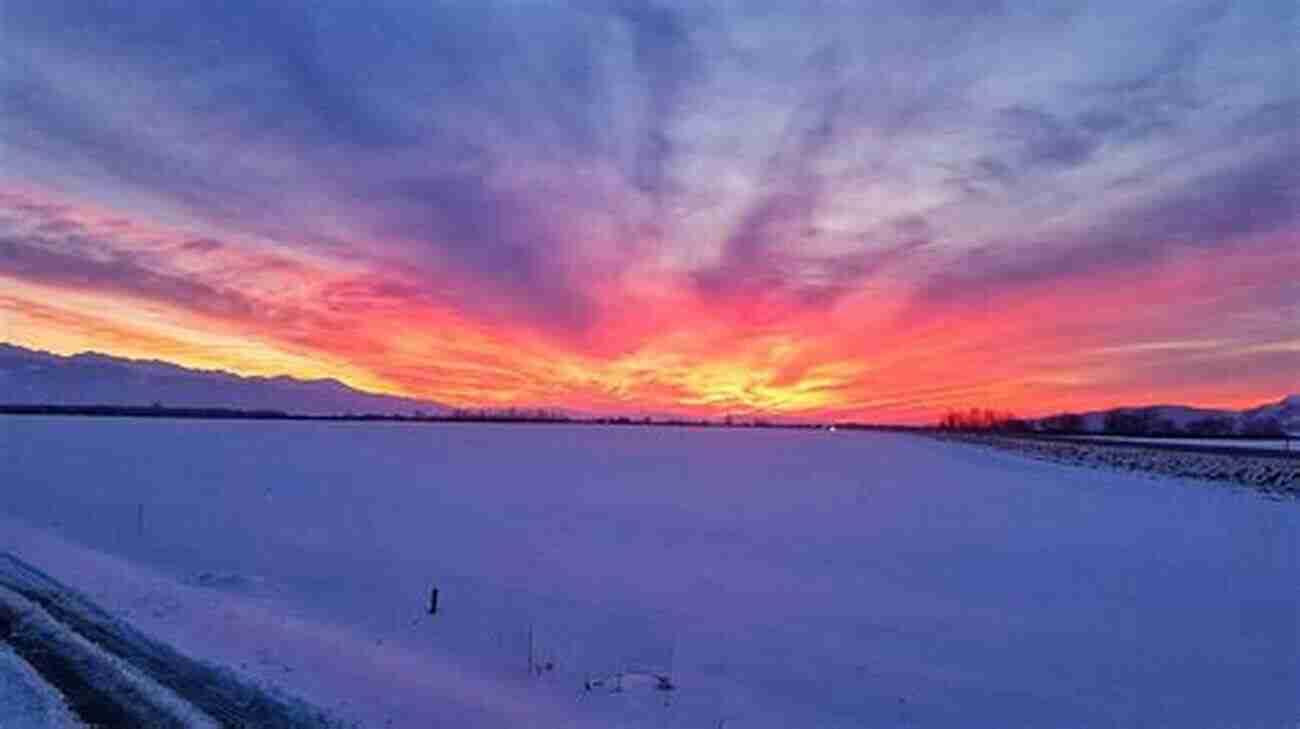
804,210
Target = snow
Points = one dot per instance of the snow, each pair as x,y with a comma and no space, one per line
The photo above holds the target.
26,701
779,578
150,703
1273,444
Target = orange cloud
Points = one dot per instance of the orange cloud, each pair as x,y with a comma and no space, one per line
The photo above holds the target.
83,277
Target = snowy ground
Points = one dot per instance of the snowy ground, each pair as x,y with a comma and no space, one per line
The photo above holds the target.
67,657
28,702
780,578
1276,475
1268,444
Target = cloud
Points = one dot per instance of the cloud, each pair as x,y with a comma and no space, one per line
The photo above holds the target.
1224,211
119,273
1045,141
597,171
666,62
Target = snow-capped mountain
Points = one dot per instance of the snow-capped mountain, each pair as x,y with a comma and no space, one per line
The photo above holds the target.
30,377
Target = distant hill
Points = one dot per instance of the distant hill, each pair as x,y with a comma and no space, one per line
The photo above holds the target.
1286,411
30,377
1270,419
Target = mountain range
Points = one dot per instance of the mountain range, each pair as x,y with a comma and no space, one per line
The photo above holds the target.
1268,419
31,377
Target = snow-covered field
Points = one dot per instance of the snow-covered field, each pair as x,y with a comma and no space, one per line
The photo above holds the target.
780,578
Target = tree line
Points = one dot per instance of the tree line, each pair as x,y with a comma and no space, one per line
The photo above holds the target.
1138,422
983,420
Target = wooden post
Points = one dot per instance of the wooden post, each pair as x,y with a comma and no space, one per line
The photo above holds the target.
530,649
433,601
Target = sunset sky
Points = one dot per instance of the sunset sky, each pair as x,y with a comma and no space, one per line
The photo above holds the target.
799,209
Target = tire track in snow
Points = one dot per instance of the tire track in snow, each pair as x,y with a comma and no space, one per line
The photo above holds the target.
27,701
112,675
